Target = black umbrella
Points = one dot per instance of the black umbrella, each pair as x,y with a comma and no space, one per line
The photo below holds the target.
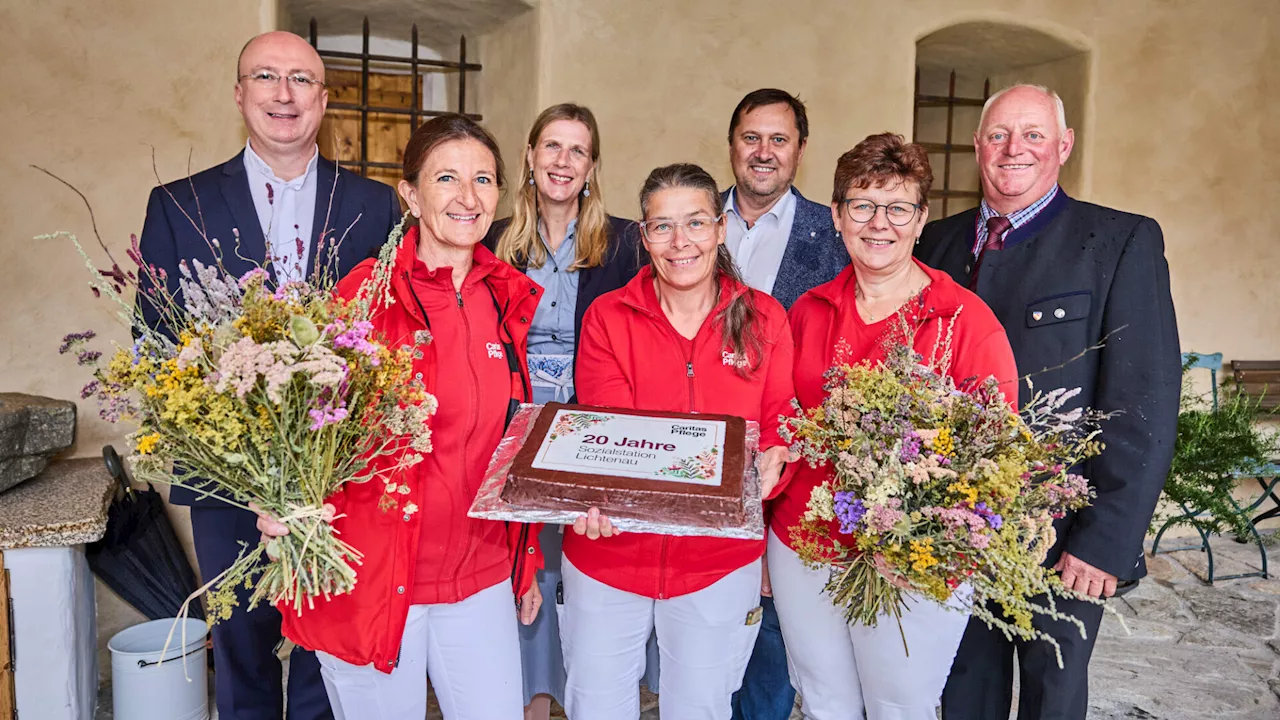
140,557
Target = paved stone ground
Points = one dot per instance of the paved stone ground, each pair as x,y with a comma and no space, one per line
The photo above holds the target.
1192,652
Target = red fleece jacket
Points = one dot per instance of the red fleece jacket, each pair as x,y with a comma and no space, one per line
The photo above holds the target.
630,356
438,554
827,315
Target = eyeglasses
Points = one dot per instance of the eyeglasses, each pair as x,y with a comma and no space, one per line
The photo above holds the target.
297,81
696,229
861,210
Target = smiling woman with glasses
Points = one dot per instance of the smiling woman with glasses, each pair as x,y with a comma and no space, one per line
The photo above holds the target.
686,335
879,206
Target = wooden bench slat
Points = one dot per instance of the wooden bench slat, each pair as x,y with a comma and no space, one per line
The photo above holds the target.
1257,377
1259,380
1255,364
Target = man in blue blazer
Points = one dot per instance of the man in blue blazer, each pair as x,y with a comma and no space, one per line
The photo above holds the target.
279,205
784,245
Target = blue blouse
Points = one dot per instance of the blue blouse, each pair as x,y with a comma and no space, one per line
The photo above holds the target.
552,331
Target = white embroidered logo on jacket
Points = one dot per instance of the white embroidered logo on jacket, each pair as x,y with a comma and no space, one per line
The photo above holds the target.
495,350
736,360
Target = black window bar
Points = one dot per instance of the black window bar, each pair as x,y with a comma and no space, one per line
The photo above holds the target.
414,111
946,149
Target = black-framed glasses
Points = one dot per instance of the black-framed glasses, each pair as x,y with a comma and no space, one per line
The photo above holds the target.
297,81
861,210
696,229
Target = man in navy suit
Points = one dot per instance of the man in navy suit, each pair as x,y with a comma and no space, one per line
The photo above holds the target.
1061,276
279,205
783,245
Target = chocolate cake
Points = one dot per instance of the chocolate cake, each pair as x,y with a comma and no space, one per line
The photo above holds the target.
703,491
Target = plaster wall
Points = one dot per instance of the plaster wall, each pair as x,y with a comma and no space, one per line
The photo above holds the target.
90,94
1176,110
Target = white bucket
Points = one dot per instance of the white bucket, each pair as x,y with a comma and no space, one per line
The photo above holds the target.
146,686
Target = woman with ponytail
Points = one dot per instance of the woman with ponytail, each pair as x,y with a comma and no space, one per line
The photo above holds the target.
686,335
559,235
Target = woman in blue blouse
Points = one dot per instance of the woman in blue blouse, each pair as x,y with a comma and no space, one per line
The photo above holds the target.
560,235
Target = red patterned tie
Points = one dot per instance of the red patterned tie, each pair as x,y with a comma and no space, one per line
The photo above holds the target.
997,226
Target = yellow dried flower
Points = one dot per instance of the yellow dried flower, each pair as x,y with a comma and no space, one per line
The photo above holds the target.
147,443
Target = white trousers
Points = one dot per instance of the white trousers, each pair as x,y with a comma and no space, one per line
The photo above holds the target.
469,649
704,643
840,670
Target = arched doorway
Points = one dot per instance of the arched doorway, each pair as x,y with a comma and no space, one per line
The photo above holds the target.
958,67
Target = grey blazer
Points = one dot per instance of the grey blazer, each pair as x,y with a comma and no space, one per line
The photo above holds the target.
814,254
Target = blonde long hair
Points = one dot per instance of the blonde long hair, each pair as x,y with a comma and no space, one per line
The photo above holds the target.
520,244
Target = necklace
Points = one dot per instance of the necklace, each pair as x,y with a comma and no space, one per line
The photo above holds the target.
860,298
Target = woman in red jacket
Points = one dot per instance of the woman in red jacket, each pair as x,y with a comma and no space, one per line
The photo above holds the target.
686,335
434,596
879,205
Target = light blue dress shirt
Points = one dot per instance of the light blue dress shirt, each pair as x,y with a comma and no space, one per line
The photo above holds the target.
758,250
551,335
286,210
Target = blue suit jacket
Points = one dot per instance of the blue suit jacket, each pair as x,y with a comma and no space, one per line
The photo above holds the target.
216,204
814,253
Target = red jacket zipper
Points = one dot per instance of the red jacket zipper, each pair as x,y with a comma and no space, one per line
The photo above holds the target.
662,554
475,407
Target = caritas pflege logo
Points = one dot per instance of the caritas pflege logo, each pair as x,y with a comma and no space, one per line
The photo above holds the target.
495,350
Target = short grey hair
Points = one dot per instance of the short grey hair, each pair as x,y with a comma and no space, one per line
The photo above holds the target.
1057,101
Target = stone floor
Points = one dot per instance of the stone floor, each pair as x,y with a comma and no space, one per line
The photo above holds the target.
1191,652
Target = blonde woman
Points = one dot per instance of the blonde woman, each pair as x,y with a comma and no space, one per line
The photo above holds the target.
561,237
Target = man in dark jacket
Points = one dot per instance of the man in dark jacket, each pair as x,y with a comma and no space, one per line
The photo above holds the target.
279,205
1064,276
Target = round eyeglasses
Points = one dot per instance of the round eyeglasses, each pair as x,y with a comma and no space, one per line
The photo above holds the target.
696,229
861,210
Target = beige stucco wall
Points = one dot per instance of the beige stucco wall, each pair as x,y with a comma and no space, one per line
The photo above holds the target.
1180,112
509,89
88,95
89,91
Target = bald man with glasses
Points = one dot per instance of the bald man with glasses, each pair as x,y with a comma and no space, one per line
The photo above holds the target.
280,205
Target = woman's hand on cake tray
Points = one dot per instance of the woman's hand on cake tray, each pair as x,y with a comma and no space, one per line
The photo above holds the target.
770,464
528,605
595,525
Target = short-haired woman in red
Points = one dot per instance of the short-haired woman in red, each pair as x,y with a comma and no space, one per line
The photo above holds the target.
879,205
